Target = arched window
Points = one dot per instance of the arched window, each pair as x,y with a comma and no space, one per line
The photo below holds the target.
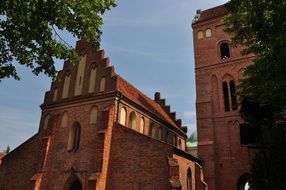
66,84
46,121
152,130
80,75
55,96
93,115
200,35
225,96
208,32
92,80
122,120
224,51
74,137
75,185
233,95
180,144
102,84
189,179
64,122
132,120
159,134
142,125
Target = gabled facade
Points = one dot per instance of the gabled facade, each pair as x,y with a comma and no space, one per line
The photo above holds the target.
97,131
218,68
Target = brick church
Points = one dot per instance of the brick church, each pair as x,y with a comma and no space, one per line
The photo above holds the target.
99,132
218,68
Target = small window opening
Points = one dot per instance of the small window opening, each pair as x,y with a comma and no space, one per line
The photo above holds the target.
224,51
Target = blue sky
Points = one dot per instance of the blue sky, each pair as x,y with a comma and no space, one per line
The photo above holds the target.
150,45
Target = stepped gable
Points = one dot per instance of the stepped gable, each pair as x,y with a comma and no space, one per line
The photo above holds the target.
167,108
212,13
94,58
134,94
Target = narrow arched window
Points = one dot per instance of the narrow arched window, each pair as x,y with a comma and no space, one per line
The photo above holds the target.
132,120
152,130
64,122
92,80
189,179
224,51
208,33
142,125
74,137
102,84
46,121
122,119
66,84
225,96
159,133
180,144
93,115
233,95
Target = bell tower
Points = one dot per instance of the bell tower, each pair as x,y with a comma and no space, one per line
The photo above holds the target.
218,68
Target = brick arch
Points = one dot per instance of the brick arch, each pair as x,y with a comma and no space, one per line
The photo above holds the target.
227,77
218,45
72,179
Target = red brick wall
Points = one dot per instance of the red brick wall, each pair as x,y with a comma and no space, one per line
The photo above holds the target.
20,165
137,161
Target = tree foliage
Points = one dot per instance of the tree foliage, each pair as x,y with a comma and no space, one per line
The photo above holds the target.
260,26
7,150
193,137
28,31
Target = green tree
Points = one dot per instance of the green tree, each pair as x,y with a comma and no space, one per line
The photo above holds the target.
7,150
193,137
260,26
28,29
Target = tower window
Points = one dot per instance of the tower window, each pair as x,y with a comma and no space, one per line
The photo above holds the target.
200,35
229,95
233,95
225,96
208,33
224,51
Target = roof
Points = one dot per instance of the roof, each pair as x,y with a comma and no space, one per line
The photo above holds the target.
134,94
212,13
2,154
